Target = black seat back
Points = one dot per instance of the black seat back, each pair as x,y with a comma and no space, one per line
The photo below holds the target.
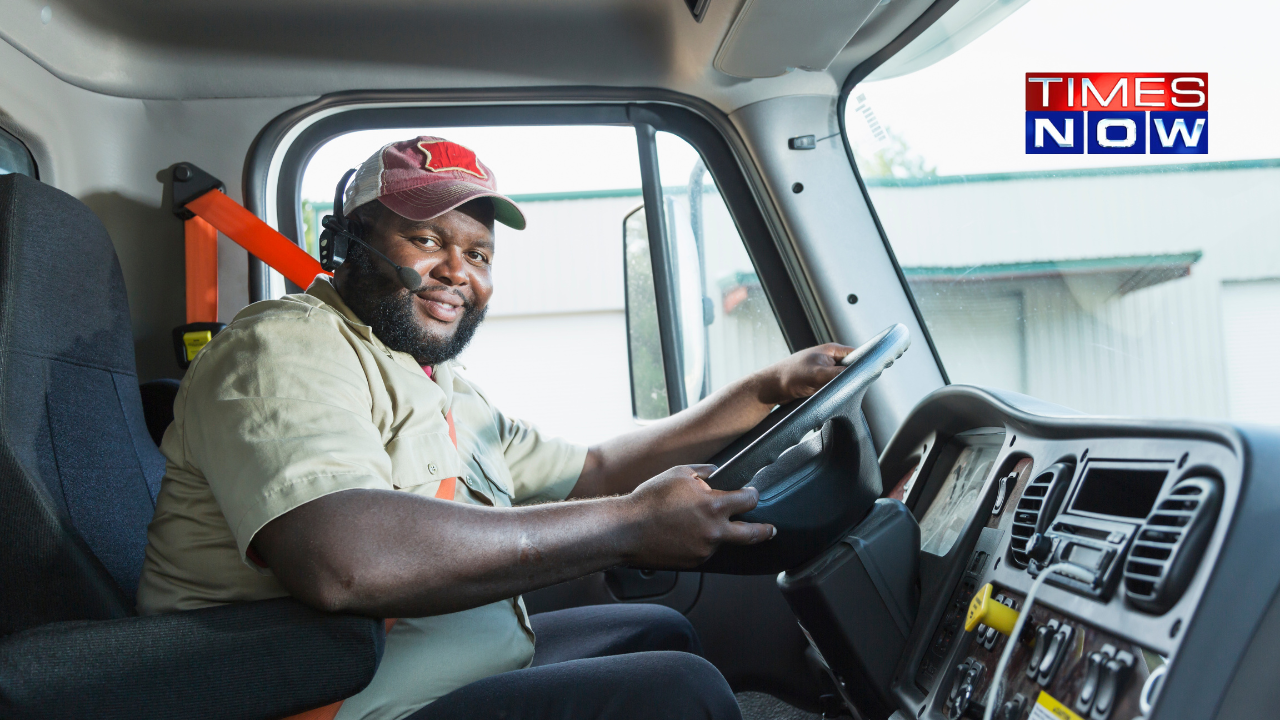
78,471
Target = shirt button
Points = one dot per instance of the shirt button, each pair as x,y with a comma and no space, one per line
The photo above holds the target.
431,468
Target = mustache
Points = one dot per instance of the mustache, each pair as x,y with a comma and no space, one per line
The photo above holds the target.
467,303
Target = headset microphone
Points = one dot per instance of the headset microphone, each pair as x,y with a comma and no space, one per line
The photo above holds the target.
339,230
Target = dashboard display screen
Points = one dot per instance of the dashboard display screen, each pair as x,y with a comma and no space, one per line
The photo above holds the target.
956,499
1120,491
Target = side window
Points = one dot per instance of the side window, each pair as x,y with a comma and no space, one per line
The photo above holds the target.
722,324
14,157
552,349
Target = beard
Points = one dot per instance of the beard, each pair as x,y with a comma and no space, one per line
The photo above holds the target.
387,307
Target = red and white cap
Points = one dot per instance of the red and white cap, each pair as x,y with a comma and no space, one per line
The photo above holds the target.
427,177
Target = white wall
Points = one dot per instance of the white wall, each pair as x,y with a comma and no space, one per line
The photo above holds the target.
553,349
1251,342
1157,351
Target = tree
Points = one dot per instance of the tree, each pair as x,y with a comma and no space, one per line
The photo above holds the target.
895,159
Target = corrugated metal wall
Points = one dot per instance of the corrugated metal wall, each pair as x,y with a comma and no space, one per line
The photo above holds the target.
1156,351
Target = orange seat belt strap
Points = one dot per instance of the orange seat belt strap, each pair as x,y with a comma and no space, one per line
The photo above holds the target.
202,271
449,486
259,238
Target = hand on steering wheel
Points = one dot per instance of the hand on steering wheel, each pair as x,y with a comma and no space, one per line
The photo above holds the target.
812,489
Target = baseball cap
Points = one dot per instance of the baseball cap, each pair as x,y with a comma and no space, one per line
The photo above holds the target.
427,177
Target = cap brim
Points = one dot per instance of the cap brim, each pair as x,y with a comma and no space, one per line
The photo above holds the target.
431,201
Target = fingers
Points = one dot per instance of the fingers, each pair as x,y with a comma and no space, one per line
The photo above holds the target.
736,502
744,533
837,351
702,471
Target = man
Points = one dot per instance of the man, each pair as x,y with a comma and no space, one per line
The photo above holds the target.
324,447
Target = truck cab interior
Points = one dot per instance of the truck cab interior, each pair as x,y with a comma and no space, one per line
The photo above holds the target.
1044,487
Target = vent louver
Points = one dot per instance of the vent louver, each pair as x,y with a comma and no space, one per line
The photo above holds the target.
1169,545
1037,506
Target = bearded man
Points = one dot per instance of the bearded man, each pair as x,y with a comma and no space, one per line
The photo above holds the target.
324,446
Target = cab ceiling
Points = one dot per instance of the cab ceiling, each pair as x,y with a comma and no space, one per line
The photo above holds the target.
188,49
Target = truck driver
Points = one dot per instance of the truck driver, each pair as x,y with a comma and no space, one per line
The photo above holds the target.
324,446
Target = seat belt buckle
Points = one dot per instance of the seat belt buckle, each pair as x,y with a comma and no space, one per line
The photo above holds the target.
190,339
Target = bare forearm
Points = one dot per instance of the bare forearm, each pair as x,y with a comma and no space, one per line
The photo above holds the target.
618,465
615,467
392,554
405,556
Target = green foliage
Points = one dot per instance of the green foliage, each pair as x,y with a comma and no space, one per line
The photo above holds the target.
648,382
894,158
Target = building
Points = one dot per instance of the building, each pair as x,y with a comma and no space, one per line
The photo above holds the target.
1149,291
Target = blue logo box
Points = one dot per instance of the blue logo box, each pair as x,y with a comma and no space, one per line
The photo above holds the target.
1055,132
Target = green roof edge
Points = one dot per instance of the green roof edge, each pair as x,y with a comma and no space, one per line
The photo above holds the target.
929,181
1072,173
1080,265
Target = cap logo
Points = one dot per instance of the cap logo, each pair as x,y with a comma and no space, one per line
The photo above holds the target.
444,156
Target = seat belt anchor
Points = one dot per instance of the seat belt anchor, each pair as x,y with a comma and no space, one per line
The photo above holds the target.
189,183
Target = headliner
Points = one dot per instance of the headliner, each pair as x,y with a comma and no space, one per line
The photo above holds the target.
190,49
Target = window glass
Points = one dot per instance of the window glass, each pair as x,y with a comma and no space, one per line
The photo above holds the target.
727,326
1137,284
644,346
14,157
553,347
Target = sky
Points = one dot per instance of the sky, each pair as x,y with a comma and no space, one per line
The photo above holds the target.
965,114
962,115
523,159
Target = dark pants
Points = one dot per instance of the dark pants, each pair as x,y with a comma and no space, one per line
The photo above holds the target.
604,661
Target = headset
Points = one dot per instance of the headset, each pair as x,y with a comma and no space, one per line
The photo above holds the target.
340,231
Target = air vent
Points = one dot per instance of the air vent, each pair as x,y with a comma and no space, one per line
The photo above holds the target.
1037,507
1167,550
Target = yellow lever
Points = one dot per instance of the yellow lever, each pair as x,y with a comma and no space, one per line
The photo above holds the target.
984,610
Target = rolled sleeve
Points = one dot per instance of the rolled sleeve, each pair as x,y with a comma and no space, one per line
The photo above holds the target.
282,411
543,469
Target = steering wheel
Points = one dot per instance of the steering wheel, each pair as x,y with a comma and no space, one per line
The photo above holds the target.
815,467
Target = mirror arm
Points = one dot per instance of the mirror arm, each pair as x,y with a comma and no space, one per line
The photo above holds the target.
664,287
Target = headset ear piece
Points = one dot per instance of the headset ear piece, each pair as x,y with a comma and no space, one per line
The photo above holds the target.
333,243
337,229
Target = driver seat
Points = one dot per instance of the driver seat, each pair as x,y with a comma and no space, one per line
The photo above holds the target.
79,476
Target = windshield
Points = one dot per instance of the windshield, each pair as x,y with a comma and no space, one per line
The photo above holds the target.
1127,272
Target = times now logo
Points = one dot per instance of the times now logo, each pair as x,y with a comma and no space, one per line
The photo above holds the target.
1117,113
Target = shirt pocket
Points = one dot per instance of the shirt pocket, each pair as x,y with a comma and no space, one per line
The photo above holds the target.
496,476
420,459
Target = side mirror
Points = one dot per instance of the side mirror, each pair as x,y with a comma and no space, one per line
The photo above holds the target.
644,344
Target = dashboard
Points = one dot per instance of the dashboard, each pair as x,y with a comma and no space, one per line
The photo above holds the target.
1170,529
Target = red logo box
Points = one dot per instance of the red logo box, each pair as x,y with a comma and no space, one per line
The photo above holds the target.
1062,91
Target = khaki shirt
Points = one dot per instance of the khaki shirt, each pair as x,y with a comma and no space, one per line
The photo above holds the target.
297,399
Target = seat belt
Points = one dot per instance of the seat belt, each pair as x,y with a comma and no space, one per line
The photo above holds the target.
200,200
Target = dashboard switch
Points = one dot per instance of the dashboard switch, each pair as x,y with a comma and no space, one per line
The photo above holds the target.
1059,647
1092,675
968,677
1043,633
1111,682
1012,708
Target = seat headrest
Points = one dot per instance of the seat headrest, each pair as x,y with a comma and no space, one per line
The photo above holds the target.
52,248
